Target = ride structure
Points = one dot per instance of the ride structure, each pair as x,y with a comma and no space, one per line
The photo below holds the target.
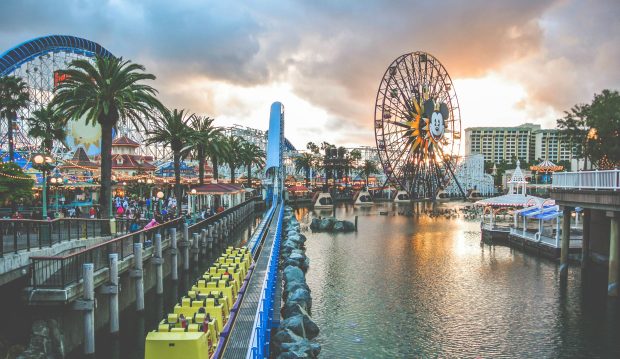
417,125
38,62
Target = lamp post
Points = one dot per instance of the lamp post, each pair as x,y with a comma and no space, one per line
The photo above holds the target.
57,182
43,163
192,198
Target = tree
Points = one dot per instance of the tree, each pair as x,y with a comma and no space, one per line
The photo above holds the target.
251,155
304,162
173,130
603,138
14,96
205,141
14,184
106,92
312,147
368,168
47,125
573,130
216,150
233,155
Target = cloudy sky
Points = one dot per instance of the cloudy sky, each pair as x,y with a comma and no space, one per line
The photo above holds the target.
511,61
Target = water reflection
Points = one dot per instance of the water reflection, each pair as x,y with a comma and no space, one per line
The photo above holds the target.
427,287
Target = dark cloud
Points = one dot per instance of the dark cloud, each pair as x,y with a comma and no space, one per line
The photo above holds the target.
333,53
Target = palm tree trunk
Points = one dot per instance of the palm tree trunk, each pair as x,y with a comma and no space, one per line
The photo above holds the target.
232,173
249,175
106,170
216,173
10,120
307,176
201,165
178,191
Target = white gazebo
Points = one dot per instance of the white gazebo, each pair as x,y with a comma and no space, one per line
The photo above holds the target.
516,198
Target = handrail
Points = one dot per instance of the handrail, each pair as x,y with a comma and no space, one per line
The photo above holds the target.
60,271
595,180
259,347
26,234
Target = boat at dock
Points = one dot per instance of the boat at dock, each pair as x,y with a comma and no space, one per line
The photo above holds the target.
362,198
202,318
322,200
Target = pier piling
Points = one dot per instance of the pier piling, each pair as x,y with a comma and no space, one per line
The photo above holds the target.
138,275
195,249
203,241
174,259
89,308
565,243
114,320
210,237
158,260
614,268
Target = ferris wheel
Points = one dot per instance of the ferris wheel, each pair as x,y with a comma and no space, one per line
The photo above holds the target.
417,124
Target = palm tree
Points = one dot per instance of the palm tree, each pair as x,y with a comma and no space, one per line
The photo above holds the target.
233,156
106,92
304,163
203,138
217,149
368,168
14,96
47,125
173,130
251,155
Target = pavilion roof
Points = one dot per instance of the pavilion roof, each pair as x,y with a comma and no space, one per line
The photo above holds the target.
219,188
510,200
517,176
125,141
79,159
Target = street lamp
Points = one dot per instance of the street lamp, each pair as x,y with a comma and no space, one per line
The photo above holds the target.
43,163
57,182
192,200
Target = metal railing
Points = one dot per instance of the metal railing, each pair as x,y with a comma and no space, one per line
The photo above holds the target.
259,342
27,234
596,180
534,237
61,271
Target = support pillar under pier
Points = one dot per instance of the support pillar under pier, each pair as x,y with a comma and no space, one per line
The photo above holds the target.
174,255
614,275
114,315
565,243
585,242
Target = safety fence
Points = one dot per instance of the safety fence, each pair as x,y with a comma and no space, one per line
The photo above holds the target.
593,180
27,234
61,271
259,342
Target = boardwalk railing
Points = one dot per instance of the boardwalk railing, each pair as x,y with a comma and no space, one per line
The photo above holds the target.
61,271
595,180
27,234
259,342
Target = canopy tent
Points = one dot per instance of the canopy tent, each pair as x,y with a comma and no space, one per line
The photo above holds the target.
298,189
230,194
168,170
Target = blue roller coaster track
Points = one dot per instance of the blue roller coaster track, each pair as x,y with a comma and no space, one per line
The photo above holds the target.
24,52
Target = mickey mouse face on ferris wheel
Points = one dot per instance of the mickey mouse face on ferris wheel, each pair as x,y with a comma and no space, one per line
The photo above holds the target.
436,116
